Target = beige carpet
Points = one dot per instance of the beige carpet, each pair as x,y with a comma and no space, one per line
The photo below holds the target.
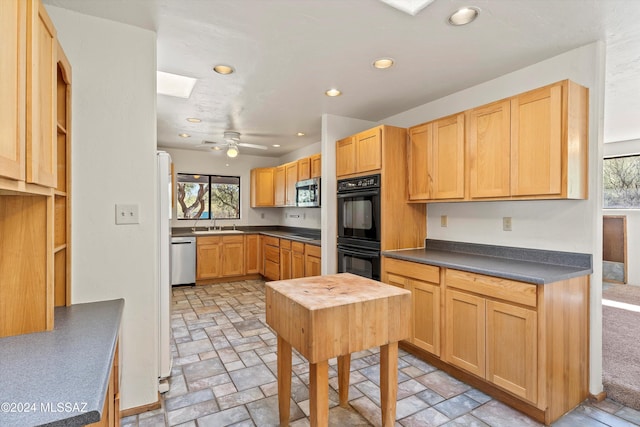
621,346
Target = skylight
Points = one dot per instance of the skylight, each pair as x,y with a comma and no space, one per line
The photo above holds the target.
175,85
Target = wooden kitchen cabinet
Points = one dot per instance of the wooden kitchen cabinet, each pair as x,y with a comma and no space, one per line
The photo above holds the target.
219,256
436,153
312,260
271,254
488,136
285,259
291,178
297,260
304,168
465,331
316,165
423,281
253,254
111,409
280,186
262,187
359,153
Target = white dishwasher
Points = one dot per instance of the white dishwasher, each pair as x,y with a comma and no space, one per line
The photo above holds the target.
183,260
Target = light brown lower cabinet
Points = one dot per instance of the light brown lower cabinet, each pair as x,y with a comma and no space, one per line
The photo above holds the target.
271,254
312,260
111,408
253,251
219,256
524,344
285,259
297,260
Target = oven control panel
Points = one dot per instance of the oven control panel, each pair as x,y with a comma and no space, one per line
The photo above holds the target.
360,183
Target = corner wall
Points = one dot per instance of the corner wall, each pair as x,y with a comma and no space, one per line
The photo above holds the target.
114,161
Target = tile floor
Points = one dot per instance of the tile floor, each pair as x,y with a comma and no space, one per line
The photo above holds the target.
224,374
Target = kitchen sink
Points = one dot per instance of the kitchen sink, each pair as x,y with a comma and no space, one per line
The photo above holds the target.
199,232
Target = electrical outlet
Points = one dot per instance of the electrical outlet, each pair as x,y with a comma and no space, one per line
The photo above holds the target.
506,223
262,215
444,221
127,214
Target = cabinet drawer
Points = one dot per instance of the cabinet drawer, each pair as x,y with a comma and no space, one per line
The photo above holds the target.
415,270
233,239
271,241
271,270
313,250
208,240
286,244
272,254
297,247
504,289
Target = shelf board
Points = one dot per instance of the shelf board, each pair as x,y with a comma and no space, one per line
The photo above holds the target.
59,248
60,193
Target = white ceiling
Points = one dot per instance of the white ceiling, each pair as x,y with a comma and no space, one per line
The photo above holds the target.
288,52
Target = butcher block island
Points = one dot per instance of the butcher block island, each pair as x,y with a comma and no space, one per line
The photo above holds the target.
333,316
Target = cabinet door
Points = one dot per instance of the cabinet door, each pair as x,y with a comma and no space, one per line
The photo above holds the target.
536,142
446,167
252,254
297,260
13,33
233,256
262,191
346,156
209,261
426,315
312,261
41,97
304,168
280,190
489,150
291,172
465,331
512,349
316,165
261,255
419,181
285,263
369,150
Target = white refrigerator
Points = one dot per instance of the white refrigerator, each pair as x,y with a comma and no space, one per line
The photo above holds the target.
164,266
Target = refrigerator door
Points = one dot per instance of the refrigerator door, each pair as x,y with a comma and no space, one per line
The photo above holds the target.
164,265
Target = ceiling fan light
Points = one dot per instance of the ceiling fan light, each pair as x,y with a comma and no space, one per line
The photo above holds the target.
232,151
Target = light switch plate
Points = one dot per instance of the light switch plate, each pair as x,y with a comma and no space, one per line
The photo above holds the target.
444,221
506,223
127,214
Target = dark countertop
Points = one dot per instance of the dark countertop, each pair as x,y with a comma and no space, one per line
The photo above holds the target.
525,265
60,378
297,234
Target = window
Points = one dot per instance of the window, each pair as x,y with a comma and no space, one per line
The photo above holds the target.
621,179
208,196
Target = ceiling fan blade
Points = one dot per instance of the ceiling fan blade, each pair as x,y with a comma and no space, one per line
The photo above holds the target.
259,147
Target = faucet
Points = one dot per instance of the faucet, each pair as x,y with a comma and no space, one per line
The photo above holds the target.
214,224
195,225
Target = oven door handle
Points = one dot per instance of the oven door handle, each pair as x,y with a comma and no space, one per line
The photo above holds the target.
368,254
358,194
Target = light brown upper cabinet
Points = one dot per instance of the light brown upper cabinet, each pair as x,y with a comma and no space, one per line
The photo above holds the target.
316,165
436,160
291,177
488,136
280,186
262,187
359,153
28,95
304,168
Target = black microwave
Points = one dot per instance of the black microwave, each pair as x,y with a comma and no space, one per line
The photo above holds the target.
308,193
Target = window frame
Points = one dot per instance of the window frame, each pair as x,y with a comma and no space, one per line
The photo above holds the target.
210,178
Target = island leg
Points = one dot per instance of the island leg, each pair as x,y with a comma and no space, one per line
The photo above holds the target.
388,383
284,380
319,393
344,368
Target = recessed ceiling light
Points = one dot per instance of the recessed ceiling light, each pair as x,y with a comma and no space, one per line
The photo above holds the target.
333,92
276,145
300,134
223,69
463,16
227,164
184,135
174,84
383,63
193,120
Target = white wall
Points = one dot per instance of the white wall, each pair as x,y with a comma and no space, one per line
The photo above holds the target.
114,161
333,129
562,225
622,148
215,162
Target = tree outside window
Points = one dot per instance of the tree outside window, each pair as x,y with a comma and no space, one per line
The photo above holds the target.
208,196
621,179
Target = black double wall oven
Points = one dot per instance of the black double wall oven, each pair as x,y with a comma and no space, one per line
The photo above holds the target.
359,226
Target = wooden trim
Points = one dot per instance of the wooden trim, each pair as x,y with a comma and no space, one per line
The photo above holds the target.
624,244
227,279
140,409
478,383
594,398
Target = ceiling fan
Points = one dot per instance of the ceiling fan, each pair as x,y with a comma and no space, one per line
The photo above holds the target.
231,144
